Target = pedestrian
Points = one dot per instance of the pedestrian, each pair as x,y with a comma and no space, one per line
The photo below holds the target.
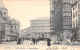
72,40
19,41
22,41
33,40
48,42
36,41
27,39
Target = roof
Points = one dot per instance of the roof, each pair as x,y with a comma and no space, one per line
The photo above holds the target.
42,18
1,20
1,4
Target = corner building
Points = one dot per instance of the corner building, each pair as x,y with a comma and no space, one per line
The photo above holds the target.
9,28
61,16
56,17
76,21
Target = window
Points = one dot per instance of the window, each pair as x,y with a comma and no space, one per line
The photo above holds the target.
0,13
15,27
73,15
73,24
5,13
76,13
73,8
76,23
11,26
78,7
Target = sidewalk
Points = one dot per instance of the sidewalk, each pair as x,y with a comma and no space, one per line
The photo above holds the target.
9,43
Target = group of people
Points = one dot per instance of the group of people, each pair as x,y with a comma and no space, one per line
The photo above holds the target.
35,41
68,40
19,41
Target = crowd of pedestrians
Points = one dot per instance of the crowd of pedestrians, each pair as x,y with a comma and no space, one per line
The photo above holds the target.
34,40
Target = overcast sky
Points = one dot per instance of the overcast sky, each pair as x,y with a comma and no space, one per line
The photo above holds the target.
26,10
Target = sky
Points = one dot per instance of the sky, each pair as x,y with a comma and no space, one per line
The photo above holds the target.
26,10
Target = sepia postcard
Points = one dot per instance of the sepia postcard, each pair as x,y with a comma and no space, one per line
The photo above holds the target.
39,24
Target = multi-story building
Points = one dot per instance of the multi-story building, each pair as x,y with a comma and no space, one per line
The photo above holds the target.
10,30
52,6
56,17
14,29
76,20
61,18
26,32
2,25
67,4
40,27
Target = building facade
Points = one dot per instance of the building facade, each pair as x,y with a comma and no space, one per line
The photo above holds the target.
14,29
61,16
40,27
76,20
10,29
2,27
26,32
56,17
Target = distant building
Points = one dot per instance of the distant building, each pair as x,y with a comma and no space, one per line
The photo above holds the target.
40,27
9,27
26,32
76,20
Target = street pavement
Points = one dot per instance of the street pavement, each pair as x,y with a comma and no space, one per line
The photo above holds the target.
41,45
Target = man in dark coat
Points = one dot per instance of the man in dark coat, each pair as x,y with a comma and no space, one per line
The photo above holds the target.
33,40
72,39
19,41
48,42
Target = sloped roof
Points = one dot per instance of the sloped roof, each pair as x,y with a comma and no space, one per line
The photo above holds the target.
42,18
1,4
1,20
